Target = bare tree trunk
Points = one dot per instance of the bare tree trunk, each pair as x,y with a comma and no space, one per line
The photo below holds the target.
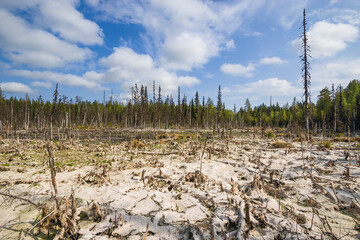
26,106
306,75
11,114
84,120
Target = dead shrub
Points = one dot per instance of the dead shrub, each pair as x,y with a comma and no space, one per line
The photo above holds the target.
137,144
4,169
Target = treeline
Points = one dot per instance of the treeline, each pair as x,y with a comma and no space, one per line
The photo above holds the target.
336,110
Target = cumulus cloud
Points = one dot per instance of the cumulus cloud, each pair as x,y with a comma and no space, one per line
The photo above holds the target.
185,51
63,19
15,87
123,66
186,33
35,47
238,69
60,17
327,39
272,60
128,67
335,72
61,78
270,86
47,85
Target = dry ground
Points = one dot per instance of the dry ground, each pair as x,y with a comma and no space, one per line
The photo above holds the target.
248,188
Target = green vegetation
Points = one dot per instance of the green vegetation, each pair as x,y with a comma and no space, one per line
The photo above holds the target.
326,144
270,134
335,111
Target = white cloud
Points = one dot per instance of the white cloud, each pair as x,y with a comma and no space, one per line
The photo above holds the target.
128,67
272,60
286,11
61,78
270,86
186,51
127,59
238,69
230,44
24,44
15,87
47,85
350,16
186,33
327,39
4,65
61,17
335,72
255,34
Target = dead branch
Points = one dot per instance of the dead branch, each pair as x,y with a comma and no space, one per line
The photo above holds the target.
20,198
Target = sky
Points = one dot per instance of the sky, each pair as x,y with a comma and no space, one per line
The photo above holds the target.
249,47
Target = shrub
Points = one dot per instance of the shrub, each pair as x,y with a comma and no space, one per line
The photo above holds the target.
282,145
270,134
137,144
326,144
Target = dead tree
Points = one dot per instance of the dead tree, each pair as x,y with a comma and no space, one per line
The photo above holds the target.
305,73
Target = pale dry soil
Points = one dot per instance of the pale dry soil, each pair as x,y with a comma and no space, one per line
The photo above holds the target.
152,189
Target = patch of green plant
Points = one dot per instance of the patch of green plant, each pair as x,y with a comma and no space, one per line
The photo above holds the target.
269,134
58,164
5,164
326,144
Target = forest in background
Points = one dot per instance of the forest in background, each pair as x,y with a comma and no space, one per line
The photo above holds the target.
336,110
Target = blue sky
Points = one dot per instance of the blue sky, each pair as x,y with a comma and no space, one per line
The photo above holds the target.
250,47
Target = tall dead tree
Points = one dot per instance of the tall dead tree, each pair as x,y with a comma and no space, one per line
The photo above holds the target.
333,99
305,73
54,110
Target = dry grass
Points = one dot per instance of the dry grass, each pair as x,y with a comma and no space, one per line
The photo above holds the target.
279,144
325,144
137,144
346,139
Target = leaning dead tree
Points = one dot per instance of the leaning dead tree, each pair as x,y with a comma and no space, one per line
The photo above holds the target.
305,73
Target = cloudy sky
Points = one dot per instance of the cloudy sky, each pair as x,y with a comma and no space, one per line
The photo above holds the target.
249,47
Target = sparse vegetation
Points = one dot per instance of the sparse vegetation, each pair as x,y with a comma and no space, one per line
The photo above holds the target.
158,170
325,144
279,144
